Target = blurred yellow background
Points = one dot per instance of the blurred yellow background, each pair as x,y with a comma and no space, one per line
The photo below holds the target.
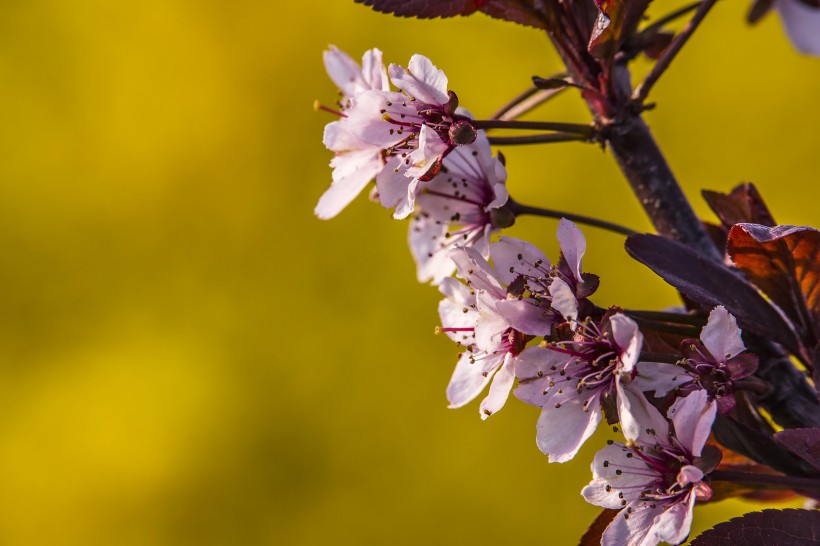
188,356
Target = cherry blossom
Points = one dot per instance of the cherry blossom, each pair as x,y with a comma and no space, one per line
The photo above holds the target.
356,162
574,381
459,206
714,363
478,364
656,481
400,138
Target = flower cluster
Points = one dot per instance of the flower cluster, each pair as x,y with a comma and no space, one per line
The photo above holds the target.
527,325
400,138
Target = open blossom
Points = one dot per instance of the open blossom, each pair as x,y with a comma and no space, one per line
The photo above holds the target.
477,365
356,162
399,138
501,308
574,381
655,481
712,363
459,206
492,319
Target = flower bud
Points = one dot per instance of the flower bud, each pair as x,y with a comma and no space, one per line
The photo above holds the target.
502,217
462,132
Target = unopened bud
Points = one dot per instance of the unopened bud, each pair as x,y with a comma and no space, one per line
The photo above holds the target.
462,132
502,217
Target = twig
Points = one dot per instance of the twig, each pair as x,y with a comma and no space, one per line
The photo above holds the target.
642,91
788,482
538,139
576,128
518,208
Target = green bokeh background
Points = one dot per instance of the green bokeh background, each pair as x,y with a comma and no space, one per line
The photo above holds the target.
188,356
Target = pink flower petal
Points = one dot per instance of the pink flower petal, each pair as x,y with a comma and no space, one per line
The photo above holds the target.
421,80
721,335
520,256
660,377
469,378
629,338
802,24
566,421
640,420
563,299
693,417
573,245
500,388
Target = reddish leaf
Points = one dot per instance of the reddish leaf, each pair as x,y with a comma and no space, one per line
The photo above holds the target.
616,21
525,12
710,284
784,263
789,527
803,442
424,9
596,529
743,205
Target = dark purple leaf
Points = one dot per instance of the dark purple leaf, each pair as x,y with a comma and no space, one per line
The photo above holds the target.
743,205
424,9
816,374
791,527
784,262
794,403
758,446
596,529
710,284
803,442
525,12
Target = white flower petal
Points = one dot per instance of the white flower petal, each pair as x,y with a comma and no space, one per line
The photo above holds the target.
564,300
343,70
421,80
566,421
629,338
499,389
626,474
513,257
373,71
473,268
352,172
470,377
429,247
491,325
660,377
641,421
633,525
674,523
